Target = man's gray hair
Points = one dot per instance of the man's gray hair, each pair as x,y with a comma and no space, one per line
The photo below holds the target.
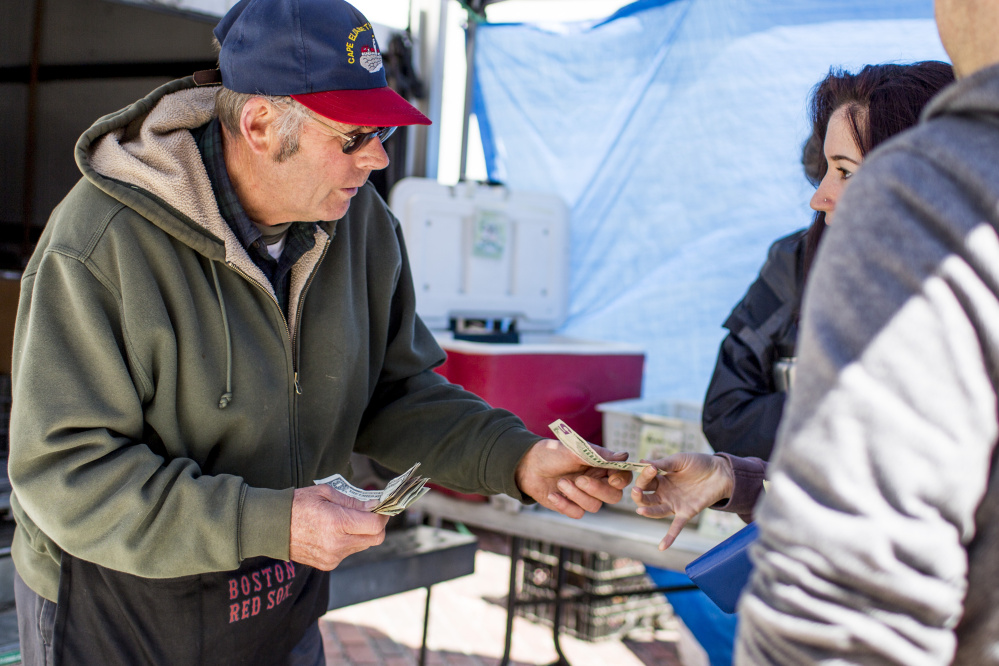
291,115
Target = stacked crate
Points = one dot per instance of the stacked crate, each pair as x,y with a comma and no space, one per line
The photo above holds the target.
628,607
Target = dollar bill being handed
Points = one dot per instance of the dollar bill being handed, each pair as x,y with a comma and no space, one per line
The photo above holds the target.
572,441
393,499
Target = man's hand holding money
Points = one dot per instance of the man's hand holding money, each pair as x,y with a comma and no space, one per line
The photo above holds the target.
558,479
327,526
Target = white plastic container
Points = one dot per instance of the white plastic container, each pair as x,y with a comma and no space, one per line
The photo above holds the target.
483,251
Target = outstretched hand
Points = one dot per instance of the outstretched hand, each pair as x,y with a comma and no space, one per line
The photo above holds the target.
554,477
692,483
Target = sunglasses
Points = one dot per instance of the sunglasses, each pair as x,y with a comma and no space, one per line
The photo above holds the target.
354,142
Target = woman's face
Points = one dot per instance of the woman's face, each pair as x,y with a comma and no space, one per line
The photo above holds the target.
843,158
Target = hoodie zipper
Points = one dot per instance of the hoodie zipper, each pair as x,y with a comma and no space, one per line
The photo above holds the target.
294,354
293,339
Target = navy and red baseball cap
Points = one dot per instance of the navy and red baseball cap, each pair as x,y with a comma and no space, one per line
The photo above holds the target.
323,53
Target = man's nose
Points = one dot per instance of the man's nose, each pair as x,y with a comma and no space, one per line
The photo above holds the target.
372,155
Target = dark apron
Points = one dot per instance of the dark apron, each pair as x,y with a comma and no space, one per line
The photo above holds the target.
254,615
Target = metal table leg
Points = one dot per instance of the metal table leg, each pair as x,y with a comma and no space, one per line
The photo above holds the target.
426,623
557,619
511,598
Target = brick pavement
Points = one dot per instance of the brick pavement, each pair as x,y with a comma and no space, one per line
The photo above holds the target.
467,625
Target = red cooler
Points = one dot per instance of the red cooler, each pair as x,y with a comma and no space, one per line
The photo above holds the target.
544,379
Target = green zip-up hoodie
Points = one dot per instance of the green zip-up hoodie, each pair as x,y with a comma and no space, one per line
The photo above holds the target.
165,409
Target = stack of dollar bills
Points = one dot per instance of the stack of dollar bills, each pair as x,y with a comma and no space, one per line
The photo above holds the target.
398,494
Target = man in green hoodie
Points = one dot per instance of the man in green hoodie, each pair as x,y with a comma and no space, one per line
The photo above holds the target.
220,312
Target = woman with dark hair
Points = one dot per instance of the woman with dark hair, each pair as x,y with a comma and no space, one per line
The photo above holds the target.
850,114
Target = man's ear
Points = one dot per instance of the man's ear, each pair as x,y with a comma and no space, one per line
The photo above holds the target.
256,124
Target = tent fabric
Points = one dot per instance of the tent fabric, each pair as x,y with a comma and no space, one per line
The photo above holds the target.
673,131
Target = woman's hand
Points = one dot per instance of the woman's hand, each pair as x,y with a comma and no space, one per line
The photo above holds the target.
691,483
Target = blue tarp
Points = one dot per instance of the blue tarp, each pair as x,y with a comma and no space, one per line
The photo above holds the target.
713,628
673,131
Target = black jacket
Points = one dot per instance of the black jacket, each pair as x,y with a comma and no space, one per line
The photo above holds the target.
743,406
